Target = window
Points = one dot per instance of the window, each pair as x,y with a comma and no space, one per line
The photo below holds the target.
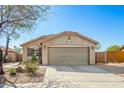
32,50
69,38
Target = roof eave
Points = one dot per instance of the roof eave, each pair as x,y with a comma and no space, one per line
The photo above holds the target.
63,33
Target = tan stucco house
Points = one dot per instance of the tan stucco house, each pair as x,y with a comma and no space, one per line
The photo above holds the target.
66,48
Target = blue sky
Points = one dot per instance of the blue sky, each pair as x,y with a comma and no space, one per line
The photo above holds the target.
104,24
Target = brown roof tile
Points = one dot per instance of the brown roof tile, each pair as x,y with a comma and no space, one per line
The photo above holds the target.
51,36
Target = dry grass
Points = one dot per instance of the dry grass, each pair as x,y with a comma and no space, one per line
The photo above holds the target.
25,77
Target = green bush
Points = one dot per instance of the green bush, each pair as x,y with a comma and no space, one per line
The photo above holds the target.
12,71
31,68
33,57
6,59
22,63
9,59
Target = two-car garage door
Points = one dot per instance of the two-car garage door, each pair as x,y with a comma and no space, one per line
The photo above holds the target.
68,56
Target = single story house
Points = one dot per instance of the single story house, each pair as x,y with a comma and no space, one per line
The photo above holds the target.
12,54
66,48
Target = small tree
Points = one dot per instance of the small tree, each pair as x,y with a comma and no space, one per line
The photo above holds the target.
113,48
15,20
1,64
33,58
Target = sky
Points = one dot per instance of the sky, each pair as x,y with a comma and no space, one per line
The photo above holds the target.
104,24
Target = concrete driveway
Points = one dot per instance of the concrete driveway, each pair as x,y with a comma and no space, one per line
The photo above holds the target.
81,76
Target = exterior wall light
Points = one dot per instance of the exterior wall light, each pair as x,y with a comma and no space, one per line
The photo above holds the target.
44,46
92,47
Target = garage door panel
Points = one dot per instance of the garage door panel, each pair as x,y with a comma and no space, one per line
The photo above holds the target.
68,56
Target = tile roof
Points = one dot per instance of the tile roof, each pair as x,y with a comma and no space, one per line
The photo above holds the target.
9,49
47,37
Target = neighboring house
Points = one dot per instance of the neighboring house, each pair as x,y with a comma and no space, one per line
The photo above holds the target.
12,54
122,48
66,48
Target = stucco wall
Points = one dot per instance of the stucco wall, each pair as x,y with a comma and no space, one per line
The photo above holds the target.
12,56
63,42
36,43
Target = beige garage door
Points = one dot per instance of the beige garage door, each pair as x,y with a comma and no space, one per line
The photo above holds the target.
68,56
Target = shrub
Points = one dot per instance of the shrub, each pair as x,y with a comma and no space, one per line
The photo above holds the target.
22,63
19,69
9,59
31,68
33,57
12,71
6,59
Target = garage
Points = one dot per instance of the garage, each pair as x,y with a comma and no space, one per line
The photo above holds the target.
68,55
66,48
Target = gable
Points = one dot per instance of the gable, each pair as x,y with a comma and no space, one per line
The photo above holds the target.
74,40
36,41
72,33
61,38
